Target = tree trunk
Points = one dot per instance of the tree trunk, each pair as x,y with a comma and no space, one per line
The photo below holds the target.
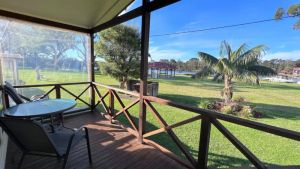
55,63
227,91
123,83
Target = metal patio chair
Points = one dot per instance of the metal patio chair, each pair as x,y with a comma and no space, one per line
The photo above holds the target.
19,99
12,93
33,139
16,97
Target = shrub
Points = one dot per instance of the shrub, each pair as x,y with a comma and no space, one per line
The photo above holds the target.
239,99
257,114
227,109
205,104
246,111
217,105
236,107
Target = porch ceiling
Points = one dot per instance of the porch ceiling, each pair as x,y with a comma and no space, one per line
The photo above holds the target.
81,13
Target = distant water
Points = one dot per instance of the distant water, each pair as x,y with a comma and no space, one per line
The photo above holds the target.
282,79
184,73
178,72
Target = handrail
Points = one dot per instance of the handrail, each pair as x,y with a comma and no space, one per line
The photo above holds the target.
53,84
57,88
294,135
117,89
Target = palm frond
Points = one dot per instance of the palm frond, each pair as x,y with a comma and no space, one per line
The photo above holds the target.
223,66
241,50
250,56
225,50
208,59
206,71
218,77
261,70
245,75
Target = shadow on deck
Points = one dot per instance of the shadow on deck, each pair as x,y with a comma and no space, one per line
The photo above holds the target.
112,147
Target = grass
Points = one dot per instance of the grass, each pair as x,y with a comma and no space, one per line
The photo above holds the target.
279,103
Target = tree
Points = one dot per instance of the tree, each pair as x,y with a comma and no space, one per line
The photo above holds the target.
81,49
279,65
293,10
297,64
192,64
120,47
240,64
56,44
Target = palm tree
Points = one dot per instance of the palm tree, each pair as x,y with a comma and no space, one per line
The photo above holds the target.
241,64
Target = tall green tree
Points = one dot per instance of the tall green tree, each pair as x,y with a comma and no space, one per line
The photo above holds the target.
120,47
293,10
56,44
242,64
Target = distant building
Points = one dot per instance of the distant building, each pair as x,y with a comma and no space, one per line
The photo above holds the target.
296,71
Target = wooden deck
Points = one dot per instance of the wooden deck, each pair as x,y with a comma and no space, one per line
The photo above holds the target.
112,147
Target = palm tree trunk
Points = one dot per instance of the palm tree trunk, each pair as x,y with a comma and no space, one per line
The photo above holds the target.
227,91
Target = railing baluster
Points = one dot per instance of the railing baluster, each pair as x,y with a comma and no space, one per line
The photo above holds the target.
240,146
102,99
111,105
173,136
83,92
92,96
76,97
204,142
57,91
47,94
126,112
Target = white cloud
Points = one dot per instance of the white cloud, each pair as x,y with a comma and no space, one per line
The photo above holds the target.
157,53
291,55
193,24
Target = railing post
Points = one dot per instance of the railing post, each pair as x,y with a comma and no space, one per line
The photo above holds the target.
92,71
204,142
93,96
144,69
57,91
111,106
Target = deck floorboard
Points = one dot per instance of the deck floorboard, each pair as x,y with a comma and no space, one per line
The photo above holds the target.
112,147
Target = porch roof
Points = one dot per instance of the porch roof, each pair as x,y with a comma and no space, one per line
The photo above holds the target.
79,13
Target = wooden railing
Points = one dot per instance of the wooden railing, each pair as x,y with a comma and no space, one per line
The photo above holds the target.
207,117
111,95
57,88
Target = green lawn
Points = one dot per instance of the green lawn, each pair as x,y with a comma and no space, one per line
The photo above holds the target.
279,102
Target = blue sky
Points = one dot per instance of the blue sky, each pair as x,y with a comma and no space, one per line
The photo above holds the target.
279,36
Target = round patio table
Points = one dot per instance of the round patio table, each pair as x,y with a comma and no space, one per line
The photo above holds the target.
40,108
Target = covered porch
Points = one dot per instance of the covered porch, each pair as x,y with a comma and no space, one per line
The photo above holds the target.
125,143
